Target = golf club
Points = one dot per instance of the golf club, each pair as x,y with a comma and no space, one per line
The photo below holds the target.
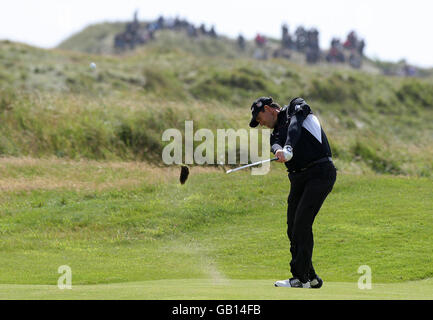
251,165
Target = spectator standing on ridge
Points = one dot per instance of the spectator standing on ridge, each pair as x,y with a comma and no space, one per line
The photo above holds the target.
160,22
286,40
335,53
119,42
260,51
361,46
203,29
351,41
260,40
301,39
212,32
313,50
241,42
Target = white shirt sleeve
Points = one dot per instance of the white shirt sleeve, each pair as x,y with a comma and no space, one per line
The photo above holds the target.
312,124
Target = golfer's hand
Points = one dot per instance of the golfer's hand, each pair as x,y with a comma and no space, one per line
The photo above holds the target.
280,155
284,154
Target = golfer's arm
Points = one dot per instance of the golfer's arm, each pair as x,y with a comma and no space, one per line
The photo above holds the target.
275,147
275,144
295,128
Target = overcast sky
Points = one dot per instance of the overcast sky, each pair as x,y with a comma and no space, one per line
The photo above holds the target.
392,29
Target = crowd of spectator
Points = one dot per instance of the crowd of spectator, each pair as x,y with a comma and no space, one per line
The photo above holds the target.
352,50
303,40
306,41
137,33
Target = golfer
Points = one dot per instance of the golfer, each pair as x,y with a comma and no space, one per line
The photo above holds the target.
299,141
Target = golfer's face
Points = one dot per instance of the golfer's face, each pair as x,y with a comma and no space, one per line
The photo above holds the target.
265,118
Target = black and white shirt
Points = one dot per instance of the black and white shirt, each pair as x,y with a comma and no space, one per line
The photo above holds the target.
298,127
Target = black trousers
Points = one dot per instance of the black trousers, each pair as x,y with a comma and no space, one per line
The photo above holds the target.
308,191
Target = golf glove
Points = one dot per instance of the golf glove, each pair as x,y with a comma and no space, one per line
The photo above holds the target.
288,152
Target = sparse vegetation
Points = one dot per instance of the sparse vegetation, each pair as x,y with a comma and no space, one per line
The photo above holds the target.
52,103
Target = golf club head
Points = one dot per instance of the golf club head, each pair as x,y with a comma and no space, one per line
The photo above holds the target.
184,173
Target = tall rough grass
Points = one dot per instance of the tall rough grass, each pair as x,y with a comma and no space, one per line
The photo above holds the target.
51,103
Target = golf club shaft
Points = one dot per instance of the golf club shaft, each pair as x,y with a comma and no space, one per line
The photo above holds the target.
251,165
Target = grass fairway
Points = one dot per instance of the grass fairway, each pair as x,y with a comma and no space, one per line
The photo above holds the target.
129,231
205,289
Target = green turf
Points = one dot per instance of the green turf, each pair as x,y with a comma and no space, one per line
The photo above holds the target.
204,289
217,227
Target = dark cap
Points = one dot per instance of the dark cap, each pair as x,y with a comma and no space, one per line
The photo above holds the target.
258,106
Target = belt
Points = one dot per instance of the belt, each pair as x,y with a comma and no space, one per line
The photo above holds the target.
325,159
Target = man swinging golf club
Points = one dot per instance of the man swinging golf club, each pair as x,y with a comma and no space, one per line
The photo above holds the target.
299,141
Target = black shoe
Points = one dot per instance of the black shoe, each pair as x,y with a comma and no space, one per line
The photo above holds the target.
316,283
